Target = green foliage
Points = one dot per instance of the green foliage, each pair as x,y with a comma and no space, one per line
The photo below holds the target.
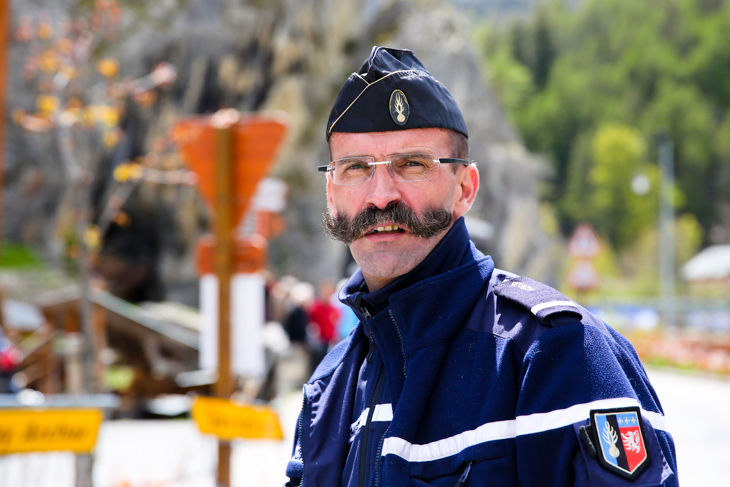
14,255
621,213
592,87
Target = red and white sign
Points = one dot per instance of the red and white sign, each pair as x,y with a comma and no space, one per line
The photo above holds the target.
583,276
584,242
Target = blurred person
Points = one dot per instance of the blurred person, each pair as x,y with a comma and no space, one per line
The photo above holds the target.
270,282
300,300
279,297
323,318
458,374
10,359
348,319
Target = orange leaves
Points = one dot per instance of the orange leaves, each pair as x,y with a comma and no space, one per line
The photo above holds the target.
145,98
108,67
128,172
111,138
49,61
47,104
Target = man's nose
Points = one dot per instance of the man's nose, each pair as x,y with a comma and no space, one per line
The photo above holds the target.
383,190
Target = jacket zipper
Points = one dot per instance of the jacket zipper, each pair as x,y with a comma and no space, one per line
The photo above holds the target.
300,428
400,339
377,459
366,429
464,475
369,358
367,315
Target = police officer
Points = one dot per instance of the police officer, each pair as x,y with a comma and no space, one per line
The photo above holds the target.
458,374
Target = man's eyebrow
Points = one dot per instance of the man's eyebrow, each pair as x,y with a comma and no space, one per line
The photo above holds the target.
405,152
411,153
346,158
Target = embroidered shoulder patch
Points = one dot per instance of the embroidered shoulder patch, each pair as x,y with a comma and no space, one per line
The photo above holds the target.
620,440
542,300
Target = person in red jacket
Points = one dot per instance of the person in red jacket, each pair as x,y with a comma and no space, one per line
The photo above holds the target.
323,319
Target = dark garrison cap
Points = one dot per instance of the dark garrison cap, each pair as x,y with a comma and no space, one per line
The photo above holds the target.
393,91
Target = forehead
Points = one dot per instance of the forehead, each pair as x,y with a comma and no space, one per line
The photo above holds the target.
433,140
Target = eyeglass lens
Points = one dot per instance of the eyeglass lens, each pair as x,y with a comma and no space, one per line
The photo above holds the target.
402,167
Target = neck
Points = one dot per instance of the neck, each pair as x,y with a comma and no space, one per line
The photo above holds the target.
376,282
448,254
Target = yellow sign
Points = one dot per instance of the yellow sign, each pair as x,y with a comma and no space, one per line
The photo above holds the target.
227,420
24,430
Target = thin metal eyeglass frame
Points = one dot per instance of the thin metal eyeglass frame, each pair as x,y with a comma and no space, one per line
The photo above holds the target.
444,160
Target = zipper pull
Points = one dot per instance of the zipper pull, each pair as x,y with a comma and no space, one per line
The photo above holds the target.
361,304
462,479
365,312
372,348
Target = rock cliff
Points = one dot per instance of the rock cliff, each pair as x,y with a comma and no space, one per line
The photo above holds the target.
289,55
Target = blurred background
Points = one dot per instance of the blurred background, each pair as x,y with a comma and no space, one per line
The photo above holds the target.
601,129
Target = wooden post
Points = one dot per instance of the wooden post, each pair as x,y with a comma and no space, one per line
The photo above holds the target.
243,148
222,123
4,34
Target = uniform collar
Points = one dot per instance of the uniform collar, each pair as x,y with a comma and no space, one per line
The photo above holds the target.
448,254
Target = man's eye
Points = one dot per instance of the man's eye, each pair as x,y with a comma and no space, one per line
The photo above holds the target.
355,166
411,162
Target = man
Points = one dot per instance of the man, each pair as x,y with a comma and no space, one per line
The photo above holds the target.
458,374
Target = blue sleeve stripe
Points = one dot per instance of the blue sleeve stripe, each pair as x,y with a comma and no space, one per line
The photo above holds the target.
501,430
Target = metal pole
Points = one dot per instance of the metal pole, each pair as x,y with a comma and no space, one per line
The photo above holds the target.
666,229
224,270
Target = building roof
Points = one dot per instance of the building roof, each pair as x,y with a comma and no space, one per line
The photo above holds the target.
712,263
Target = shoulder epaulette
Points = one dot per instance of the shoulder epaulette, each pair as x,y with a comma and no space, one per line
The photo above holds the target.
542,300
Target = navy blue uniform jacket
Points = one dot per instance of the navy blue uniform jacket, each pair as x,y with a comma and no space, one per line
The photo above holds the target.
474,377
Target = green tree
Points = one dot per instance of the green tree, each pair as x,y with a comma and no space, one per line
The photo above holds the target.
619,210
681,111
660,66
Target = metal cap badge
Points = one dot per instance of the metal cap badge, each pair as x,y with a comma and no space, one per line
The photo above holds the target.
399,108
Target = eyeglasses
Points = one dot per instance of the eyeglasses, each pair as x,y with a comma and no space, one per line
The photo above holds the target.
352,171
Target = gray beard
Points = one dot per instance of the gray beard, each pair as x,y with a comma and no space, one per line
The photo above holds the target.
343,229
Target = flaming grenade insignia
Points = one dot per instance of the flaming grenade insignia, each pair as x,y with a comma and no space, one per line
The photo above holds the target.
611,438
399,108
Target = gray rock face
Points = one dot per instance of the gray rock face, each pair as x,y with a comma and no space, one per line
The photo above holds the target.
289,55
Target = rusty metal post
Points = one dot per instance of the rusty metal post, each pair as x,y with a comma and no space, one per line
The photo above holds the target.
222,122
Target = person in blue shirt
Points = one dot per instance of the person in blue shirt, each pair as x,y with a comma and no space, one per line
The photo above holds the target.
458,373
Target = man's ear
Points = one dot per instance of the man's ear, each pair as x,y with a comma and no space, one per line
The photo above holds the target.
467,185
